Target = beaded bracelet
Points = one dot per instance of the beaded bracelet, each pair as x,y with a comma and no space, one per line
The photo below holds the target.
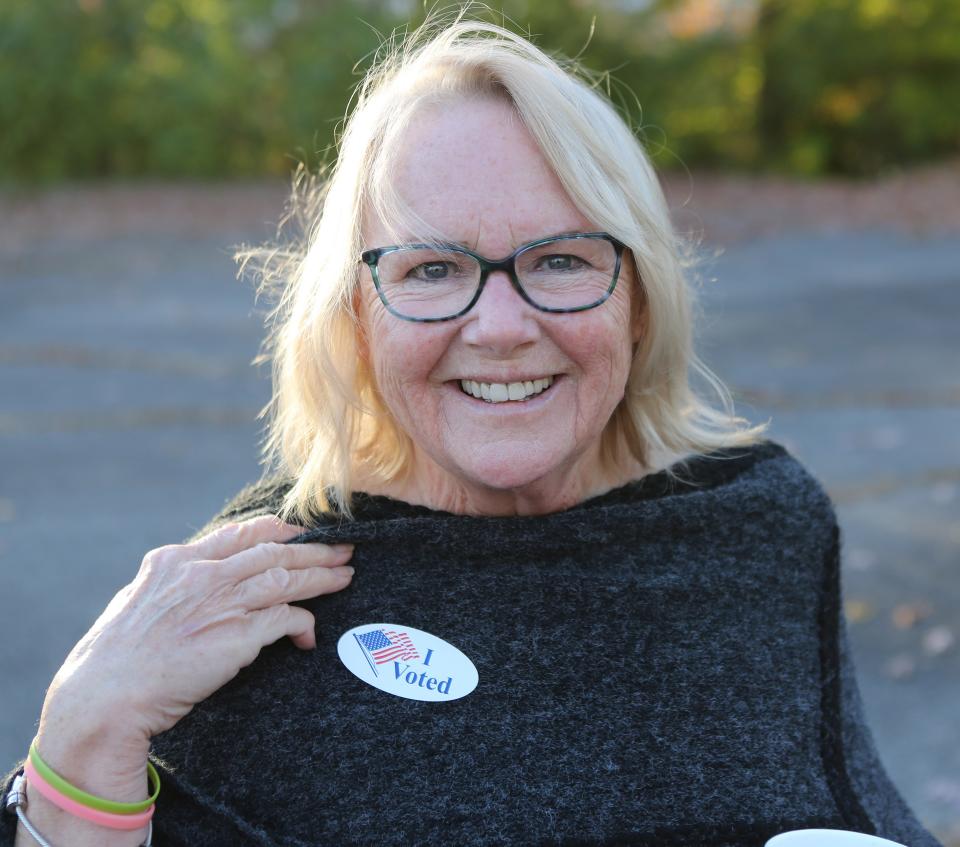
17,800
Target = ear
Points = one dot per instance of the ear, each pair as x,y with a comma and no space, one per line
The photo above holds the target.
639,307
638,321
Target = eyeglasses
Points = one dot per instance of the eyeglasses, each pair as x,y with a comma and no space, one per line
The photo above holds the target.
439,282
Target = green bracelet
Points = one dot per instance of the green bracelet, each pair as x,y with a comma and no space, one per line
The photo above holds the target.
92,800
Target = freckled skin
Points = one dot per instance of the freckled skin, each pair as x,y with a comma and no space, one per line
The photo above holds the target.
474,172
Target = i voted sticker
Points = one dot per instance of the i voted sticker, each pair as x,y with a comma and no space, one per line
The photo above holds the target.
407,662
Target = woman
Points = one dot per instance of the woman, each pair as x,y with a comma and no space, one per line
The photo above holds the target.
582,606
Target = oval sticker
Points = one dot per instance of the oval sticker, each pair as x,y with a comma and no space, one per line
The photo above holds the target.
407,662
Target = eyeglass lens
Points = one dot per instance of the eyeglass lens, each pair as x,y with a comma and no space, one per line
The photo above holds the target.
433,282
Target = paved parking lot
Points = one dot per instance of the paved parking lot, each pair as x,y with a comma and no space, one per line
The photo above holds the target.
128,416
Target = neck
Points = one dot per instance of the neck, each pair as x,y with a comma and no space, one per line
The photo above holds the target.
430,485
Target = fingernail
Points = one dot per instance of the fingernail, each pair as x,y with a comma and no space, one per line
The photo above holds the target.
342,548
346,569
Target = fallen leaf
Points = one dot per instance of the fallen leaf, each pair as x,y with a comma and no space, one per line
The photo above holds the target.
858,611
908,615
900,667
938,640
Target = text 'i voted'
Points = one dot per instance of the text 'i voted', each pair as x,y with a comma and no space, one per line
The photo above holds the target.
407,662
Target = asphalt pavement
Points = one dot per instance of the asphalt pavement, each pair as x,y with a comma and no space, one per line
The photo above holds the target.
128,412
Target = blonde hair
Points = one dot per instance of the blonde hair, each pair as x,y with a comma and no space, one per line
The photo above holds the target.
327,418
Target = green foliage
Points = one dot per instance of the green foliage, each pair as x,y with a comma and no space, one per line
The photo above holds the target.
191,88
858,87
219,88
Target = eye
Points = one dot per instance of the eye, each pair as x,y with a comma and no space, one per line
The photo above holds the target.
560,262
431,271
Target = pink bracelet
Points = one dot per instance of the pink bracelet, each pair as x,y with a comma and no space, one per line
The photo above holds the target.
108,819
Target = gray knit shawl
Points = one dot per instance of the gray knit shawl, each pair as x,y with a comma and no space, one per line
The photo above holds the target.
665,664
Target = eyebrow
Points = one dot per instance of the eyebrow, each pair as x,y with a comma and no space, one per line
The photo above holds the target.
468,246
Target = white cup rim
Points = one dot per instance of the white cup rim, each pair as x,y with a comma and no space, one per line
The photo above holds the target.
828,838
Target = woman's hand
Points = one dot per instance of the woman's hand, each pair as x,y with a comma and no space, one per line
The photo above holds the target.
192,618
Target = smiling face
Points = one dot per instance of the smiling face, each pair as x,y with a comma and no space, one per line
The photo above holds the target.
473,172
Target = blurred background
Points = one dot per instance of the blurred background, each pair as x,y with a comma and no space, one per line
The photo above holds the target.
809,149
211,88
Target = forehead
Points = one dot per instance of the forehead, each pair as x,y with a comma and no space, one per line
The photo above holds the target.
472,173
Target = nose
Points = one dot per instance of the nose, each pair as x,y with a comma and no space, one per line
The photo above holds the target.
501,320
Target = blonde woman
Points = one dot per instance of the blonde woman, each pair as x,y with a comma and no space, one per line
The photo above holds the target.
537,590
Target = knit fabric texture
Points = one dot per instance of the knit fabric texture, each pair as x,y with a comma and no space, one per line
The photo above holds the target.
663,665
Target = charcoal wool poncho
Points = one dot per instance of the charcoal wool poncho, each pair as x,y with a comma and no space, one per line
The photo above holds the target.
663,664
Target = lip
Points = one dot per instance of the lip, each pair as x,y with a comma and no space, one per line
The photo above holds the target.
513,407
507,380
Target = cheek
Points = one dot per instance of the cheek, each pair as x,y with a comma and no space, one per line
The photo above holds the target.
602,350
603,346
622,331
404,355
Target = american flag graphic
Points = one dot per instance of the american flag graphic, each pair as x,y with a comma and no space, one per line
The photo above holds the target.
388,646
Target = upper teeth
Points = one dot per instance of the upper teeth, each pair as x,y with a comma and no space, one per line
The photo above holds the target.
500,392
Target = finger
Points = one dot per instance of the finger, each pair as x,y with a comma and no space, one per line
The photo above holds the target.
271,554
279,585
273,623
233,537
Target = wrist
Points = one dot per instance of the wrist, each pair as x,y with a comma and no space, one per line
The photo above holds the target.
97,756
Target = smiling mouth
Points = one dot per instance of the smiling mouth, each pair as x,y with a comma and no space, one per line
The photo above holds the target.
505,392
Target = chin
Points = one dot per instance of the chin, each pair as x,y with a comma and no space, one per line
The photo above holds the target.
505,470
